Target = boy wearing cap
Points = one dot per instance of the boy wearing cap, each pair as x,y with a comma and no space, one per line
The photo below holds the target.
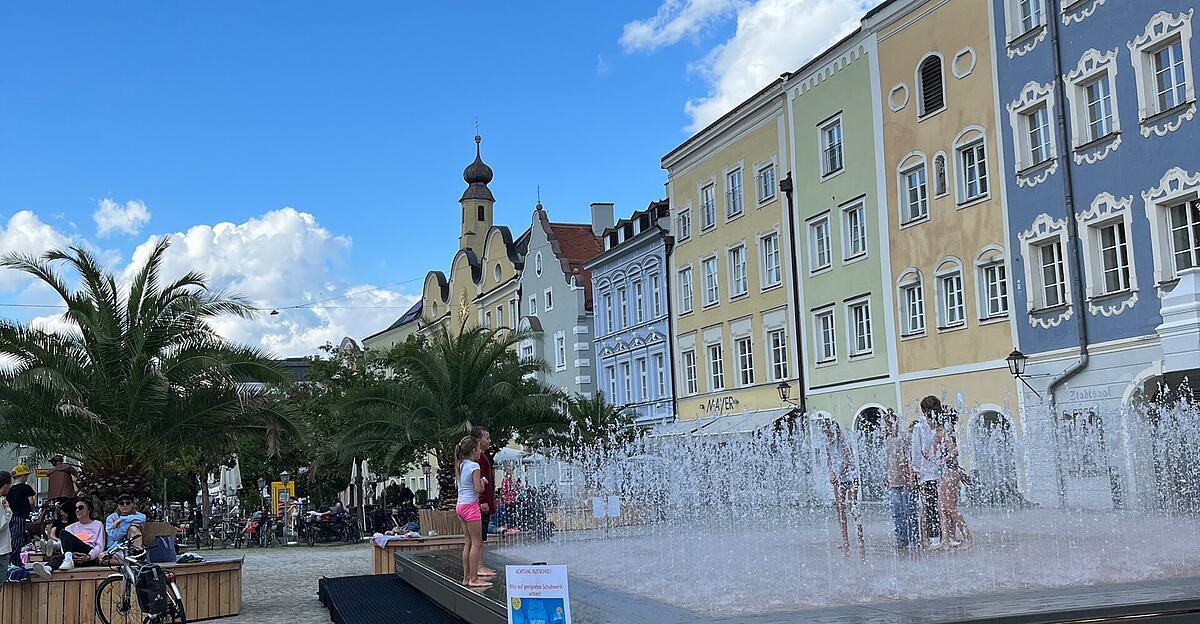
118,522
21,500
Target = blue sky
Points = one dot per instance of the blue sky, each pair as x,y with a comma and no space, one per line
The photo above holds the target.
123,121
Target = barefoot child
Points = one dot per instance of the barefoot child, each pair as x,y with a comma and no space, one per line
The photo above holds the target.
843,478
470,484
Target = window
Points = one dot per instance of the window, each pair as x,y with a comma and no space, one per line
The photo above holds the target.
623,306
820,256
1170,77
560,351
684,224
611,373
771,274
1099,109
500,316
745,361
708,207
526,352
655,295
626,384
991,279
1185,235
733,196
639,304
1033,141
685,290
1089,89
940,184
533,305
951,312
537,264
831,147
777,339
912,298
766,183
1114,257
549,300
826,336
660,372
479,216
643,380
915,194
1052,289
712,289
1037,127
737,271
854,231
1030,14
689,372
931,97
859,315
487,319
608,312
973,177
716,368
1162,66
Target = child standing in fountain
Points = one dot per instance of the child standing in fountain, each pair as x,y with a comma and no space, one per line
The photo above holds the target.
925,464
897,451
843,477
945,442
470,484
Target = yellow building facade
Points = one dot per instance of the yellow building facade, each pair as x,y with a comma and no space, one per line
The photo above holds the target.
732,307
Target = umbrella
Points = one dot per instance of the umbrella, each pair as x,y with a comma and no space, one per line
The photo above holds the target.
509,455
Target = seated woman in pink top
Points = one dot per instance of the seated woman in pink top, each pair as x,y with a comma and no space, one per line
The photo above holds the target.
82,542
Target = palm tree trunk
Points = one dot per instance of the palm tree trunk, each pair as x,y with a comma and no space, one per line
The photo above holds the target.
447,483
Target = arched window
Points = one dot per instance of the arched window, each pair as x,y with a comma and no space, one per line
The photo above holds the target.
950,305
932,95
913,186
970,165
991,283
537,264
912,302
479,212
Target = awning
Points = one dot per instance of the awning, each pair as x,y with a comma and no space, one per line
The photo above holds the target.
747,422
682,427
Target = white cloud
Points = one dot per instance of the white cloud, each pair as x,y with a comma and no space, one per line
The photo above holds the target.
772,36
25,233
281,258
113,217
675,20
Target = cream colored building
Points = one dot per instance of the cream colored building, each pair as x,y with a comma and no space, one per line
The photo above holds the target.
732,311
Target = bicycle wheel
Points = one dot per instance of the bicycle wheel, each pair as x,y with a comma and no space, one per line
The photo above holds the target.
115,605
175,613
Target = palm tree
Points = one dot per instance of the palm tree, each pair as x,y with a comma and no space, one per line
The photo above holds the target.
139,378
454,381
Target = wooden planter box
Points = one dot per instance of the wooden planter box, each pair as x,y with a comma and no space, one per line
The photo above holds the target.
210,590
441,522
384,559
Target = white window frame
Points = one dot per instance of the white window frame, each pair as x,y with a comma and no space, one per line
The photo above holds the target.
683,223
623,306
971,142
643,379
608,323
765,184
691,380
911,325
735,193
920,86
660,373
851,251
687,291
639,302
1015,27
739,277
715,356
1020,111
548,298
744,360
656,294
777,349
820,239
912,164
948,270
769,259
626,382
711,288
611,371
825,344
533,305
1163,30
708,209
560,351
854,325
1093,67
989,262
1104,211
828,170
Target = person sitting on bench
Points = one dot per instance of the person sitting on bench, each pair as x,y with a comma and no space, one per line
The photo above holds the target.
82,543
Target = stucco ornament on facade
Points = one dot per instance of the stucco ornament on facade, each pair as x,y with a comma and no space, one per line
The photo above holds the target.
1091,64
1106,207
1162,26
1176,182
1081,10
1027,46
898,97
962,70
1044,226
1031,94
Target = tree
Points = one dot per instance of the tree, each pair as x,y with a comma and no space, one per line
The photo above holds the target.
596,430
445,385
139,379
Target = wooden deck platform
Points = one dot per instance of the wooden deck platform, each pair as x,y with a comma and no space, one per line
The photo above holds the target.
212,589
384,559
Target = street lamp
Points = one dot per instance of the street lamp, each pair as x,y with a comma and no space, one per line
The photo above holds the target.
262,493
785,393
1016,365
285,477
425,467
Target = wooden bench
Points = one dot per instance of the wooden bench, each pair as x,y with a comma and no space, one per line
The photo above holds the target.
210,590
384,559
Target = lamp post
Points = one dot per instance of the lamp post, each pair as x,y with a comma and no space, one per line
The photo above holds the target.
1016,365
263,495
425,467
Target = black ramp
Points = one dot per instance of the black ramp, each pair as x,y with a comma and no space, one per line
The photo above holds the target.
378,599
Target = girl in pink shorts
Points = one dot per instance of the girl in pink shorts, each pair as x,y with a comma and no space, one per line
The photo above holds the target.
470,484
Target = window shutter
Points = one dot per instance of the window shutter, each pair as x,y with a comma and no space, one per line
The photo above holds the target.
932,98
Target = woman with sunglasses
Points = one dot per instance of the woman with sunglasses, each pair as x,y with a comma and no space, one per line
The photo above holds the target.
82,542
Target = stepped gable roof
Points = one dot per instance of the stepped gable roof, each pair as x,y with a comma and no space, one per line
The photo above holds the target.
575,244
413,314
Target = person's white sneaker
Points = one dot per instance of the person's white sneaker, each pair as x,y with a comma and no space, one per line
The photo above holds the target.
68,562
41,570
955,543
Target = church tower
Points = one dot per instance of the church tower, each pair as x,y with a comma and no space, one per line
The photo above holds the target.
477,202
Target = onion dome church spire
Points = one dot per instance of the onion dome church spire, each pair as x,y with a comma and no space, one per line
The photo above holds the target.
477,175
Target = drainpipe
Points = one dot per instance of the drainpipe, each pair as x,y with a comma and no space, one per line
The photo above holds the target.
668,247
785,185
1077,291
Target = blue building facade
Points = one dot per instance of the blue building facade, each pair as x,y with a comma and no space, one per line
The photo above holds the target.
632,334
1102,174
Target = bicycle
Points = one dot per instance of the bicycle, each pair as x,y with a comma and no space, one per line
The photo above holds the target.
139,592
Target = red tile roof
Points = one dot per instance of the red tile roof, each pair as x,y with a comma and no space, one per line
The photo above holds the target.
575,244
